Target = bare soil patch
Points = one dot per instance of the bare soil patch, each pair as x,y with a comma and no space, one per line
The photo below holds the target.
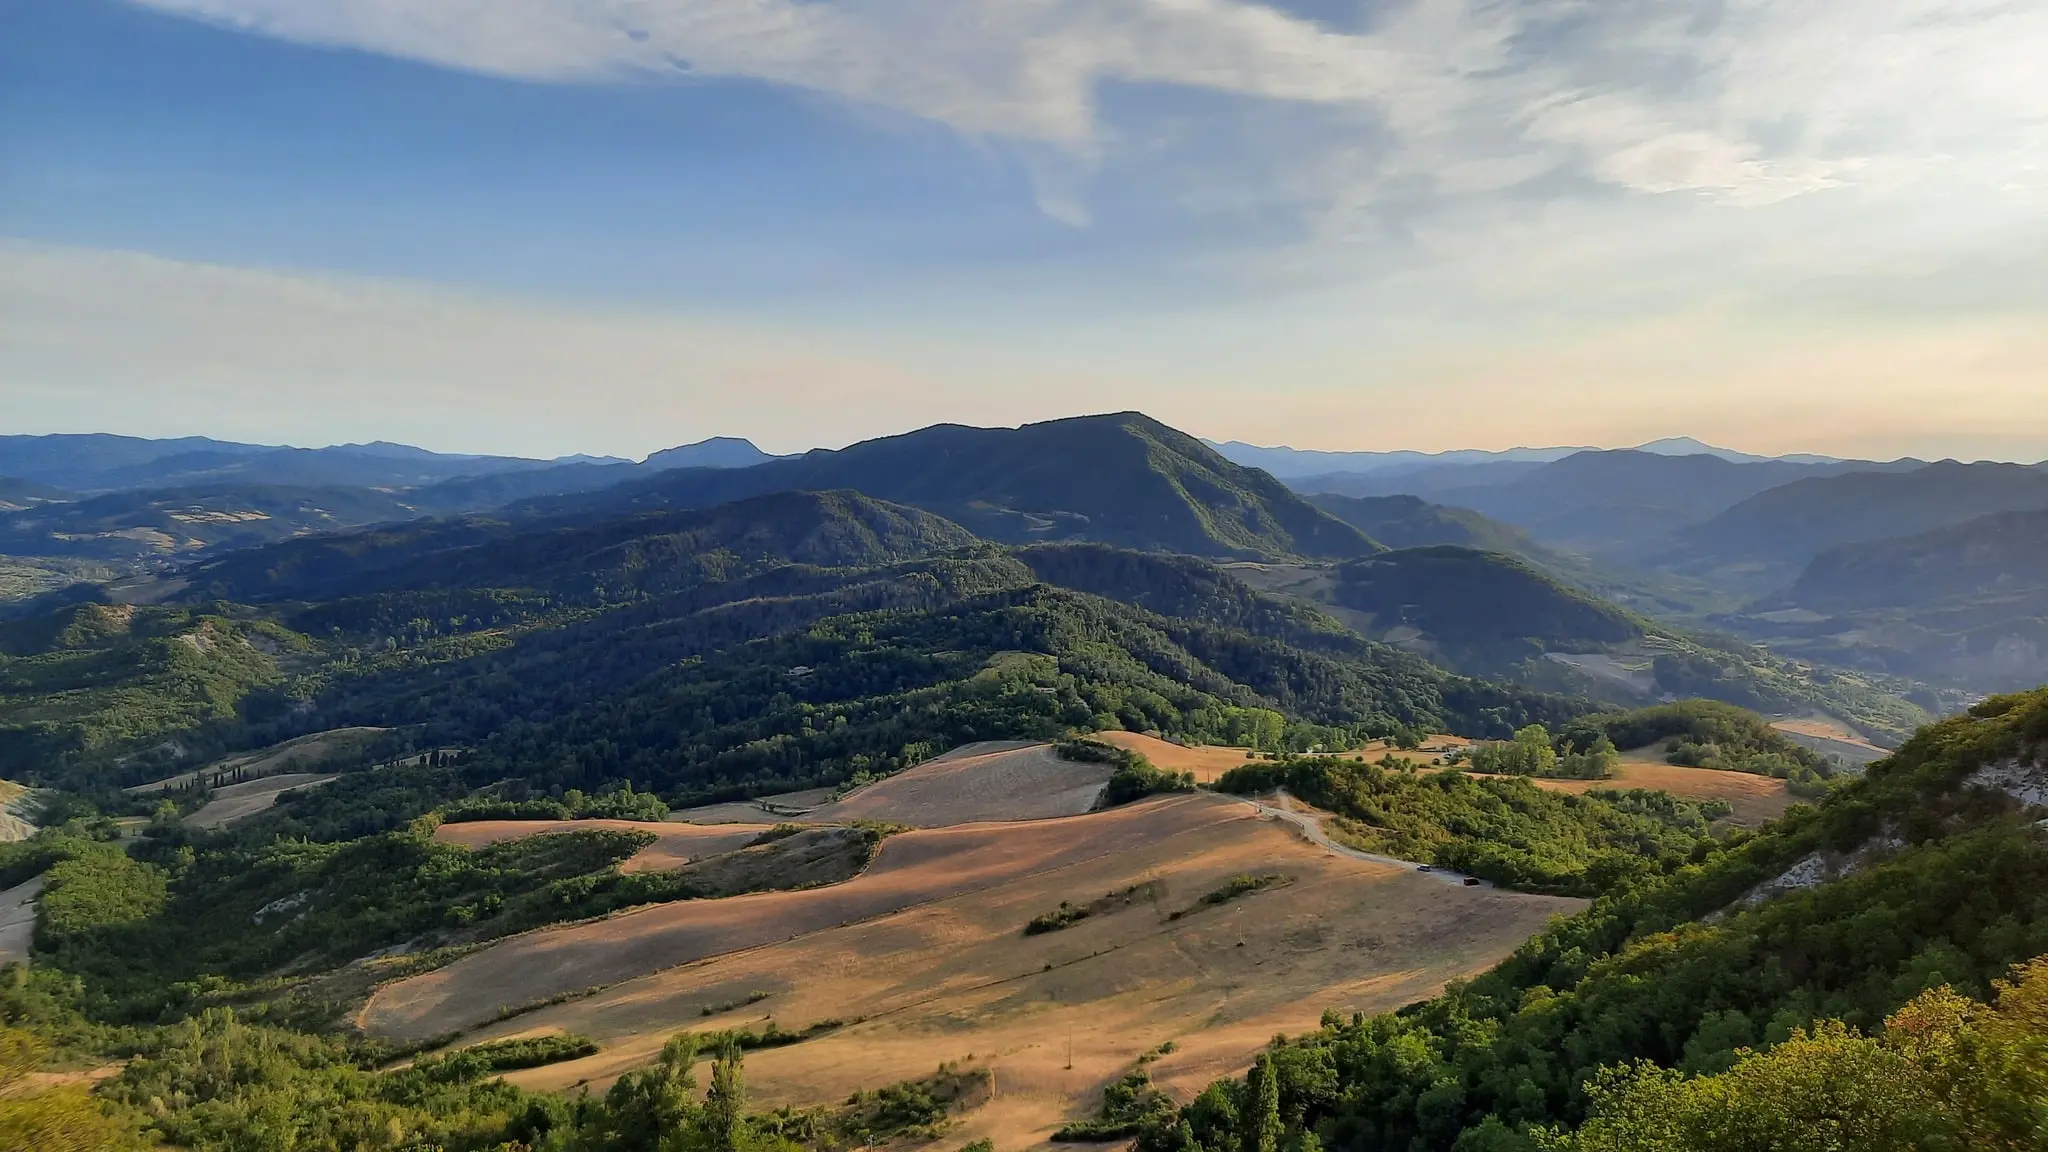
953,977
990,781
18,919
241,801
677,844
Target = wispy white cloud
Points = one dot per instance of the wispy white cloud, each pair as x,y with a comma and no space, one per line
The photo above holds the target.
1744,102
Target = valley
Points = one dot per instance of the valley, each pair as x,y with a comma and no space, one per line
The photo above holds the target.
1018,785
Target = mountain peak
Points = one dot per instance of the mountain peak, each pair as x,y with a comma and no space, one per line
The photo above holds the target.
715,452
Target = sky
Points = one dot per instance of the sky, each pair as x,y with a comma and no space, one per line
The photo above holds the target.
610,226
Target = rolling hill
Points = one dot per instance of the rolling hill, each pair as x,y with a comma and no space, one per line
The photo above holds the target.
787,640
1482,611
1123,479
1997,558
1790,525
1411,522
585,560
128,526
1964,606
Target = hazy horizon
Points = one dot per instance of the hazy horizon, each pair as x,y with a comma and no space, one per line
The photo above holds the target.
600,452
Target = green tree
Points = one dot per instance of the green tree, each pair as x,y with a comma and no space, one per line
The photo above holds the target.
1261,1118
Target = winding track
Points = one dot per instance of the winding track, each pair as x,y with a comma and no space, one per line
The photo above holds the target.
1311,829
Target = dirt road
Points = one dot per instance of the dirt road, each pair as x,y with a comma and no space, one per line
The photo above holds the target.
1311,829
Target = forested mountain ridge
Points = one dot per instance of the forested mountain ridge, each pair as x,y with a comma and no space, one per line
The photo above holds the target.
1486,611
1963,605
1790,525
1412,522
2003,555
611,649
1123,479
605,558
1497,616
1930,872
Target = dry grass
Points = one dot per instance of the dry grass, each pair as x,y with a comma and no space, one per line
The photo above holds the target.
677,844
1209,762
992,781
1756,799
783,806
241,801
1831,737
927,950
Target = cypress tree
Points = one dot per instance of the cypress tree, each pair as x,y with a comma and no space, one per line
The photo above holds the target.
1261,1118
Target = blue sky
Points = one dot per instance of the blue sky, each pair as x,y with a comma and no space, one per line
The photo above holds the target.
548,226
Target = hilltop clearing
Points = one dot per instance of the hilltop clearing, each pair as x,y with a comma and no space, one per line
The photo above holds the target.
1209,762
1753,800
234,802
1830,737
990,780
952,976
673,846
781,806
292,756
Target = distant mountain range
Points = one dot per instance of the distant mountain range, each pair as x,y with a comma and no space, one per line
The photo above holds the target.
1297,463
1801,553
98,463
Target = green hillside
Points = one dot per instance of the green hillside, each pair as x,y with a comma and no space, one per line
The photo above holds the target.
1486,614
1963,607
1920,876
589,558
1480,610
784,641
1412,522
1996,559
1790,525
1124,479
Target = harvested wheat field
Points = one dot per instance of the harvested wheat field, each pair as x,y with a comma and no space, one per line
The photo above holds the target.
1210,761
1830,737
771,809
926,957
1206,761
1756,799
241,801
675,846
993,780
